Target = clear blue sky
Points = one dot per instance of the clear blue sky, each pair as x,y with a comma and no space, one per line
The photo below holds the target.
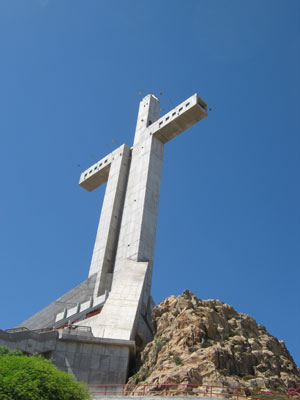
229,219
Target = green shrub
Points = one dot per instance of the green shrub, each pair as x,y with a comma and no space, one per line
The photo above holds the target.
6,350
142,374
158,345
177,360
35,378
192,349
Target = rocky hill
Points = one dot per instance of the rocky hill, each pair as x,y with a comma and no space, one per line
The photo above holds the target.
206,342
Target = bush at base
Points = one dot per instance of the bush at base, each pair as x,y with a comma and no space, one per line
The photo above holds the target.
35,378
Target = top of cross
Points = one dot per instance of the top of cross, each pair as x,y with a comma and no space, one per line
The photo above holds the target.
164,129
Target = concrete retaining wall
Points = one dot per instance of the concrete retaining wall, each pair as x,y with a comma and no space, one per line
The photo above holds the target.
92,360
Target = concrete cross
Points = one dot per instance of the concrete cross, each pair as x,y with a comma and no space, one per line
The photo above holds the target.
108,316
128,219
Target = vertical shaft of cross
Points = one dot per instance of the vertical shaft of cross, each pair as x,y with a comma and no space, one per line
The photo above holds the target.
108,230
149,110
138,227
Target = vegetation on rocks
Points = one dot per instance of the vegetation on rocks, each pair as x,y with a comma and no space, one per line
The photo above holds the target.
25,377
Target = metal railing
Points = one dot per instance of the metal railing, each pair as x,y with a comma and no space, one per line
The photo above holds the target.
14,330
41,330
175,389
295,393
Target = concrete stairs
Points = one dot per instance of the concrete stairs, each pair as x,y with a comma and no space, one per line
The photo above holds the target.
80,310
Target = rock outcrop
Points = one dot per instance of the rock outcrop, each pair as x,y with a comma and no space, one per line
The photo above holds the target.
206,342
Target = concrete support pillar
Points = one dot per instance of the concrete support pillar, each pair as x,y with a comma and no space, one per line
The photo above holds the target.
108,230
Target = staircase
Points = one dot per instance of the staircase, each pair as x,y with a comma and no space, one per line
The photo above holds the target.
80,311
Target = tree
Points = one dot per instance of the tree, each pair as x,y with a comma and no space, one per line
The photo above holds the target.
25,377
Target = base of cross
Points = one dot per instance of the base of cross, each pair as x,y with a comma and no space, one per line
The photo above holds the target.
95,340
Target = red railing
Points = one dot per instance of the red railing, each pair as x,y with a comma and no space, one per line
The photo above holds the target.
190,390
295,392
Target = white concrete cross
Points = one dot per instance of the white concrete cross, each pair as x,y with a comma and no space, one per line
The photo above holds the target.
126,233
115,300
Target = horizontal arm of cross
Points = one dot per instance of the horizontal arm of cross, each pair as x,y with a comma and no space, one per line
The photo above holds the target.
97,174
179,119
164,129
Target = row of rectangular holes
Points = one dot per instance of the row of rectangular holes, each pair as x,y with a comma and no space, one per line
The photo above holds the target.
173,114
91,170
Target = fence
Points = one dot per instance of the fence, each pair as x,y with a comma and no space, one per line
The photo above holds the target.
295,393
192,390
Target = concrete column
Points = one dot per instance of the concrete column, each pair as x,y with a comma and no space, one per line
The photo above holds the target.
110,219
138,227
